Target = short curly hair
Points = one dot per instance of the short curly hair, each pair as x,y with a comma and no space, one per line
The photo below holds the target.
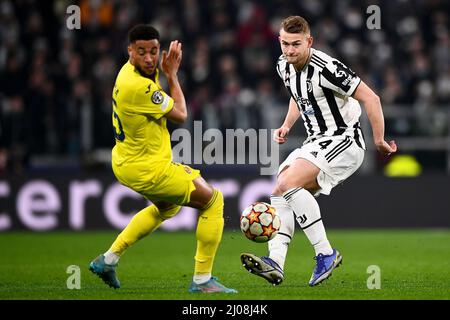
142,32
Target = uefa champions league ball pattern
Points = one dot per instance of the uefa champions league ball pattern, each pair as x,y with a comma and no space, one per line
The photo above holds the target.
260,222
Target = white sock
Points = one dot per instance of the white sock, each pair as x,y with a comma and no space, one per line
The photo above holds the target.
307,213
278,246
201,278
111,257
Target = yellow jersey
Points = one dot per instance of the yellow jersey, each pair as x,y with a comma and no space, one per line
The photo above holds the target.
139,106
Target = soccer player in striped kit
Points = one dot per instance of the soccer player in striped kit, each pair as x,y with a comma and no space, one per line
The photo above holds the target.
325,93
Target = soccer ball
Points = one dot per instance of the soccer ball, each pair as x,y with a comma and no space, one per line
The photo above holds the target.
260,222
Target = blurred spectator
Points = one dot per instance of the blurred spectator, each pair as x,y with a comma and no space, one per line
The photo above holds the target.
95,13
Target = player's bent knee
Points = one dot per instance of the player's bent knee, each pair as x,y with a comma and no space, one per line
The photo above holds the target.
169,212
216,202
202,194
285,183
277,191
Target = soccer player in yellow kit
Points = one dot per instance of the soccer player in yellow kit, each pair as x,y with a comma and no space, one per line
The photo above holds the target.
142,159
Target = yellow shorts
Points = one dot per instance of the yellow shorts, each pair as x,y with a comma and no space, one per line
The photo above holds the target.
174,186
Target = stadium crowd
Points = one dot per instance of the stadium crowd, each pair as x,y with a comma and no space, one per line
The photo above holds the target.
56,83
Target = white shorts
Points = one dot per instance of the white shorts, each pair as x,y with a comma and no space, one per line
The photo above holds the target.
337,157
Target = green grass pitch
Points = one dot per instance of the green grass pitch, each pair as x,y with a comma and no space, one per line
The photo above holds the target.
414,264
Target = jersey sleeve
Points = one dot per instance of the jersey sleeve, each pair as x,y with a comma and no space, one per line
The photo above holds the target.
338,77
278,66
152,101
279,71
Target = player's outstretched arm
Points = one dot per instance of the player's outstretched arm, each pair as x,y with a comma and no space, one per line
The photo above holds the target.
280,134
374,111
170,63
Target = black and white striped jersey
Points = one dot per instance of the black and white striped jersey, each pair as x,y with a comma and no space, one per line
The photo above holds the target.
322,90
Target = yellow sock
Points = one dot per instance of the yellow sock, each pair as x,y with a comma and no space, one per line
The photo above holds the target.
144,222
209,234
